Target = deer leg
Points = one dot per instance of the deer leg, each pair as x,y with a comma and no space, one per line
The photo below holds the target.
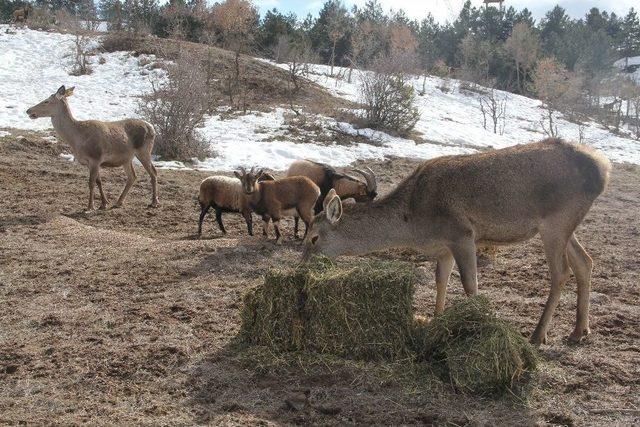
249,220
465,255
131,178
443,272
145,159
203,212
103,204
581,264
219,220
555,249
93,176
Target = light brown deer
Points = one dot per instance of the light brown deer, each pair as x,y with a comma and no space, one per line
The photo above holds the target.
451,204
97,144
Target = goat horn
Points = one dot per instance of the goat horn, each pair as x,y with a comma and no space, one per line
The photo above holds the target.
370,177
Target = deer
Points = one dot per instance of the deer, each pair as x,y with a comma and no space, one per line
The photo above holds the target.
21,14
326,177
451,204
97,144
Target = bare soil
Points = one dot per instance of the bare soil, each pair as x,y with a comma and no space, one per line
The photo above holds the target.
123,317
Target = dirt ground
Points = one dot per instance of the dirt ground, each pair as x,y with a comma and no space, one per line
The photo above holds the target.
122,317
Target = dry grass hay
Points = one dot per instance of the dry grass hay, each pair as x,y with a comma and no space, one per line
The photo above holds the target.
364,312
360,311
475,350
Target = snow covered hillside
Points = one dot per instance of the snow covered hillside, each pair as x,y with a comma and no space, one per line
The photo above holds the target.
33,64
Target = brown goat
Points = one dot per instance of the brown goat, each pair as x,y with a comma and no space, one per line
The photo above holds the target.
271,199
451,204
225,194
326,177
97,144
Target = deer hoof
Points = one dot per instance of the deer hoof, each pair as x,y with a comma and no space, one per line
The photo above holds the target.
538,339
578,335
103,206
154,204
279,242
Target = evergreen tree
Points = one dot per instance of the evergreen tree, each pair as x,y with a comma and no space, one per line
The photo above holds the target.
629,42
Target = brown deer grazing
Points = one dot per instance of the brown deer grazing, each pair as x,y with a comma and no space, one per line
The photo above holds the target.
98,144
326,177
21,14
451,204
271,199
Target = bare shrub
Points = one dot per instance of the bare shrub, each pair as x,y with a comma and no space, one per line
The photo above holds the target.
176,108
81,49
494,106
388,98
550,83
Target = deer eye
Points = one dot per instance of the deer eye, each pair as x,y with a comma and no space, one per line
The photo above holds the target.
314,239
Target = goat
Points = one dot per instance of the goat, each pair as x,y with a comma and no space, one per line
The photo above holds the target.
448,205
326,177
98,144
225,194
271,199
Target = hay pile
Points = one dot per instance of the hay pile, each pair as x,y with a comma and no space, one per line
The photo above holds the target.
360,311
475,350
364,311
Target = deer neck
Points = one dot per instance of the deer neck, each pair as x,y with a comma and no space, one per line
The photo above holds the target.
65,125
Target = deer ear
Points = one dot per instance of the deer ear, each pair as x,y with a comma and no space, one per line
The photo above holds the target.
334,210
237,174
61,92
69,91
328,198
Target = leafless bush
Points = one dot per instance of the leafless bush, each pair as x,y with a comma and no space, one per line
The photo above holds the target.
388,98
493,106
41,18
81,48
176,108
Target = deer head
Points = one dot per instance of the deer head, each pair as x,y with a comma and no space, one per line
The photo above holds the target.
51,105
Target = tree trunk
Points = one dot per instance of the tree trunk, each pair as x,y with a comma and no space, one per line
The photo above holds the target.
333,55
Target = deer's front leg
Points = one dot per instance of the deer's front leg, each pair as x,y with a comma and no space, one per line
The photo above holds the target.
93,176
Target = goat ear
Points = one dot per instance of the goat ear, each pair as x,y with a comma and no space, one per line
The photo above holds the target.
69,91
328,198
61,92
334,210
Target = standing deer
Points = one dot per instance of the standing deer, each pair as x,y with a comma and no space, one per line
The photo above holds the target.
449,205
21,14
98,144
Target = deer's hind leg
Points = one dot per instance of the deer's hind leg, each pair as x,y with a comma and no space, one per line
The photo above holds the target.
581,264
145,158
555,249
131,179
104,202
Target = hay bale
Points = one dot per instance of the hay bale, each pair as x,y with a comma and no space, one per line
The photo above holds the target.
475,350
360,311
